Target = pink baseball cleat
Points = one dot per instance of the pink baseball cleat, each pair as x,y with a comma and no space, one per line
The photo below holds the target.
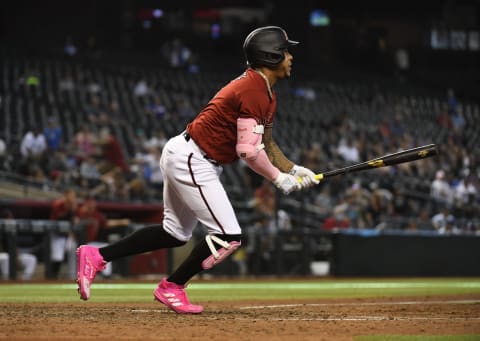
89,262
175,297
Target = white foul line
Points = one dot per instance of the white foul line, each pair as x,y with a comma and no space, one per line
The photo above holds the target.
274,306
351,318
345,318
360,318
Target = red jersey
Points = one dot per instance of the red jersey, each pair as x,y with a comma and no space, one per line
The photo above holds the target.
97,220
215,128
112,152
62,210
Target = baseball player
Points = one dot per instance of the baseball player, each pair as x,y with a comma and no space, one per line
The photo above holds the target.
236,123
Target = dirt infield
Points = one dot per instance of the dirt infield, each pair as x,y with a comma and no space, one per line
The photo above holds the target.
267,320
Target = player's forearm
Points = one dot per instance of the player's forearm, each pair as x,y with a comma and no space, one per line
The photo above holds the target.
276,156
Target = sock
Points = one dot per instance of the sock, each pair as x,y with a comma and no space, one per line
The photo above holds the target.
193,264
147,239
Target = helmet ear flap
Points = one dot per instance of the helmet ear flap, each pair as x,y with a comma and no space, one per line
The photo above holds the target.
266,59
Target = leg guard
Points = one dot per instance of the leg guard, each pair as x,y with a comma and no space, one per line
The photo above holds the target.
217,256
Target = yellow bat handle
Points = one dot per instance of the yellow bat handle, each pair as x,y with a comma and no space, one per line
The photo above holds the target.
317,176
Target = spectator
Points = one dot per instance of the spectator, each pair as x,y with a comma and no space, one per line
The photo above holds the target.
312,156
338,219
357,200
111,152
58,167
3,154
119,180
458,121
380,204
421,223
33,151
439,220
89,175
33,144
348,150
450,227
66,83
141,88
324,201
158,140
153,174
156,108
53,134
264,200
84,143
396,126
440,189
465,192
177,53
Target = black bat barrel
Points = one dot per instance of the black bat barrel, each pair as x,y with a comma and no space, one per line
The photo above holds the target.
408,155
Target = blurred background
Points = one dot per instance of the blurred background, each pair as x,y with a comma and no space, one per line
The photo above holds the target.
90,91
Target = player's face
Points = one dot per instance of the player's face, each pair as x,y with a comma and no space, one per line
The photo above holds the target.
285,68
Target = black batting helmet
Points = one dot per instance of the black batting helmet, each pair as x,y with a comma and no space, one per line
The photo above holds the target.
265,46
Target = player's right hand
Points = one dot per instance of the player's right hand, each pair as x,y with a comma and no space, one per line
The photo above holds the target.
287,183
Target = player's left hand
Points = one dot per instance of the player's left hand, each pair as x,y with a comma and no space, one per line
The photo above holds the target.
308,178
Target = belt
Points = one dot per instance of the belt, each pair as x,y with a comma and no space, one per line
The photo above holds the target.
188,138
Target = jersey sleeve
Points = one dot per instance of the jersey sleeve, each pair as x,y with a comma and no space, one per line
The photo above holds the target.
253,104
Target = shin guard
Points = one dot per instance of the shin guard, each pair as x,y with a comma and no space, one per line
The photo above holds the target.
217,256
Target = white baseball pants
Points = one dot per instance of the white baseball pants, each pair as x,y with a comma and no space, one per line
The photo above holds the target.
193,192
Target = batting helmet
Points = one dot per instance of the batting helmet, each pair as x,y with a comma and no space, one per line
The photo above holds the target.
265,46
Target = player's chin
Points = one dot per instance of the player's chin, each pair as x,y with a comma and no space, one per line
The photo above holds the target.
286,74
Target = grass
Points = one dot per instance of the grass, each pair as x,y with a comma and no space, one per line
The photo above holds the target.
321,288
245,290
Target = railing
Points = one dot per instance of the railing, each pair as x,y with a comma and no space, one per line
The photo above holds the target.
292,252
22,187
11,228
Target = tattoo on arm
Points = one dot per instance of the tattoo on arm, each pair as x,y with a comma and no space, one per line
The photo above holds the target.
276,156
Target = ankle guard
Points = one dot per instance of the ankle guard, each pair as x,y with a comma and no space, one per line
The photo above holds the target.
217,256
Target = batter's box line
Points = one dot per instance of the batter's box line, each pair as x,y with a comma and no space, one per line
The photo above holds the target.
299,305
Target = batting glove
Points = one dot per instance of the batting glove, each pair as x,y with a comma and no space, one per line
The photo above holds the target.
306,175
287,183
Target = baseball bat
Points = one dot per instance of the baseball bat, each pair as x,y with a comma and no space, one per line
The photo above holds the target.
408,155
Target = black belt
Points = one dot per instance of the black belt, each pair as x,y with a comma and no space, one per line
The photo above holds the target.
187,137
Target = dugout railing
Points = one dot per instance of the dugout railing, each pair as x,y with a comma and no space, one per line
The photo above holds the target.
39,232
348,252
